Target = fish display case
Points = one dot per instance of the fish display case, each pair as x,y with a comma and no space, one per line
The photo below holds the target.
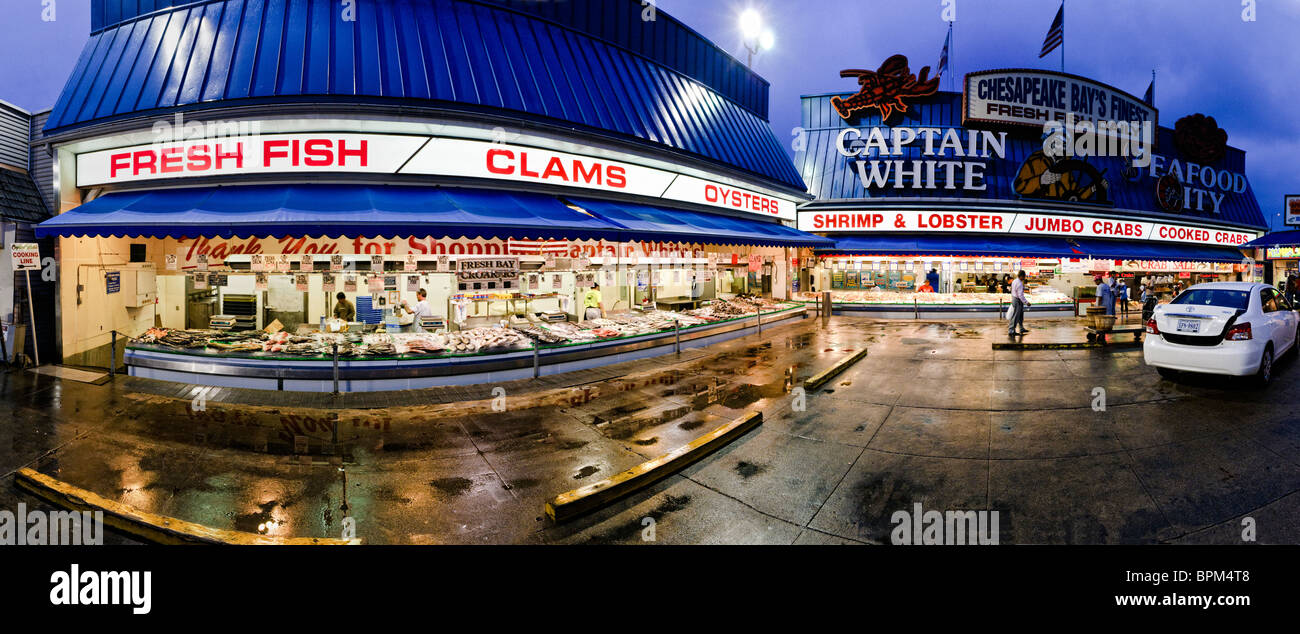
373,361
878,302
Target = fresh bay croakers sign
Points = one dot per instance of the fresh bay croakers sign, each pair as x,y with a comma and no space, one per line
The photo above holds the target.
1020,97
364,153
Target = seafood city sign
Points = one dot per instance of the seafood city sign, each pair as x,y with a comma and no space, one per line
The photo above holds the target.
363,153
1019,223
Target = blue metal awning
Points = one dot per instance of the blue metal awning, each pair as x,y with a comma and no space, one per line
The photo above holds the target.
1161,251
328,210
1275,239
657,223
954,245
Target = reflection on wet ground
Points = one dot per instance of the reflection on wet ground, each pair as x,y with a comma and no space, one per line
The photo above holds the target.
931,415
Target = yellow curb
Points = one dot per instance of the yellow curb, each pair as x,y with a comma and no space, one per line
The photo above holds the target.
1065,346
571,504
147,526
822,377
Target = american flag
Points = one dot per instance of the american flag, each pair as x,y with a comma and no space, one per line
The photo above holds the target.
1056,34
943,57
537,247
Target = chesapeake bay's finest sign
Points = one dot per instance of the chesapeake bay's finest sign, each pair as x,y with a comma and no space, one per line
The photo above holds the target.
1030,98
364,153
1019,223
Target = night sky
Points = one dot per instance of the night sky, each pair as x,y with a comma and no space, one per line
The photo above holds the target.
1207,58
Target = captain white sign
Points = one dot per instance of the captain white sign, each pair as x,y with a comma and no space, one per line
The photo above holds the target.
1014,223
307,153
1034,97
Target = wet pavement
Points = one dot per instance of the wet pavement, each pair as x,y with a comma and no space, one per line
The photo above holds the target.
932,415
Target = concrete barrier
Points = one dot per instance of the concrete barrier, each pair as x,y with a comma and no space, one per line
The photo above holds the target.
573,503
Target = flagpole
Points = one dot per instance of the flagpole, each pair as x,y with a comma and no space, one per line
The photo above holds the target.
1062,36
952,46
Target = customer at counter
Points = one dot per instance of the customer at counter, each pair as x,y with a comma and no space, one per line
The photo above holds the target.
344,309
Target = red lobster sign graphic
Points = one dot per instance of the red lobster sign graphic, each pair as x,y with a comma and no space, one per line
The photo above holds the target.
885,88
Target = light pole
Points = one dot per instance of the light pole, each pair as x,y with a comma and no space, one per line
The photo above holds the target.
757,37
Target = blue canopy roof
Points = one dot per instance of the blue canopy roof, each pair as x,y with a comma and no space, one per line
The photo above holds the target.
692,226
444,54
1275,239
954,245
1017,246
395,210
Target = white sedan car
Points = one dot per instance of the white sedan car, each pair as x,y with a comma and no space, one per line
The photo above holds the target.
1231,328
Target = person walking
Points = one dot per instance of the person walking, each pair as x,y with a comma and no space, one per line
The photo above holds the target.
1018,306
1106,294
1123,299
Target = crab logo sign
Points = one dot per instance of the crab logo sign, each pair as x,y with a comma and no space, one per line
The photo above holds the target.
885,88
1291,207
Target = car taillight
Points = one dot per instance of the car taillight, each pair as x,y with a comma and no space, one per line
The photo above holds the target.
1152,329
1239,332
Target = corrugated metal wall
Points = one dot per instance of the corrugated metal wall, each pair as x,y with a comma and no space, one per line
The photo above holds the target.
14,131
41,163
832,176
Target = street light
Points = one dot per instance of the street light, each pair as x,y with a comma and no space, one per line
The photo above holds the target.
757,37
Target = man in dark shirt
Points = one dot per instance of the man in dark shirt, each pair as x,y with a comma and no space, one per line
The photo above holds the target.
344,309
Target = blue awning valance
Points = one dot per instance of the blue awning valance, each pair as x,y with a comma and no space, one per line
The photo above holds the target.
329,210
1159,251
942,245
657,223
1033,247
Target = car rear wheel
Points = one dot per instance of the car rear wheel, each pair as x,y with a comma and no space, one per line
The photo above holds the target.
1265,373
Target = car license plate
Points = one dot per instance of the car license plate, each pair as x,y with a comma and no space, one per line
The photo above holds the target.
1189,325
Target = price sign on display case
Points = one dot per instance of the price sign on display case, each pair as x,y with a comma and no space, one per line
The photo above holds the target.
327,282
171,262
255,263
350,284
410,264
259,281
377,263
300,282
375,284
306,263
203,263
282,263
200,281
336,263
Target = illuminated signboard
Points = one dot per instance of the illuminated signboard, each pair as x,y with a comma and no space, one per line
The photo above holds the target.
1030,98
1291,210
1282,253
364,153
1018,223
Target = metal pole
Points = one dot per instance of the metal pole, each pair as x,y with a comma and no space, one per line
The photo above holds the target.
677,336
31,308
758,312
537,347
112,354
999,309
916,310
4,352
335,348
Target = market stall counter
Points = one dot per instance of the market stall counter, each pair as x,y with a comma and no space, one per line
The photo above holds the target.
378,361
1043,301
